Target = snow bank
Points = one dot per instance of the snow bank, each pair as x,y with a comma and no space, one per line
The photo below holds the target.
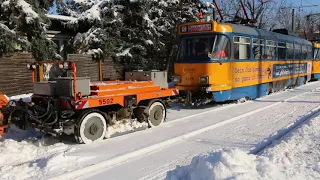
24,155
27,154
227,164
296,156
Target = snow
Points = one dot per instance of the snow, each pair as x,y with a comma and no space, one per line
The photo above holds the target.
46,74
124,126
165,3
94,12
4,27
219,138
61,17
28,11
296,156
126,52
193,132
149,42
25,156
24,97
30,14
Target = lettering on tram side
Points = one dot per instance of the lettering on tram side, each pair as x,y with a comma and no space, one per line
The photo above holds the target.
280,70
242,75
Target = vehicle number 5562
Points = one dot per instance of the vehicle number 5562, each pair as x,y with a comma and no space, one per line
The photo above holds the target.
105,101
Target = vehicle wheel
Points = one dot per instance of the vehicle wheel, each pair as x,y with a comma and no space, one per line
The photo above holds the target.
156,113
91,127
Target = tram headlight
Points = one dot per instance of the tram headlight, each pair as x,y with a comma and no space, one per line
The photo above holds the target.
176,79
204,79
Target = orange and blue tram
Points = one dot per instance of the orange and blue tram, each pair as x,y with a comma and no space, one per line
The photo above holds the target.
223,61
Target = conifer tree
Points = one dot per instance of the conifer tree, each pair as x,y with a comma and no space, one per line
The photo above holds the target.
22,27
141,34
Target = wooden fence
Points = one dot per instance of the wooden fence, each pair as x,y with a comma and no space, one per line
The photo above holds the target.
15,79
107,70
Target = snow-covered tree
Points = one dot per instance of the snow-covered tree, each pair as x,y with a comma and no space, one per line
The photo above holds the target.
22,27
141,33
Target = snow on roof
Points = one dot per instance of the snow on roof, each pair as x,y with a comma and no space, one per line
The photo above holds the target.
61,17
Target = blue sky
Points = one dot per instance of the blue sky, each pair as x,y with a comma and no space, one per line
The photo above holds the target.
307,3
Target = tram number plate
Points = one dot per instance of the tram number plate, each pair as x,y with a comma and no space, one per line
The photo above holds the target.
105,101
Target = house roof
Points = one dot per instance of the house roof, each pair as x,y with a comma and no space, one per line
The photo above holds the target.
60,17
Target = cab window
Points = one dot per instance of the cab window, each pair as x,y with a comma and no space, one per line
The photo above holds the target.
205,48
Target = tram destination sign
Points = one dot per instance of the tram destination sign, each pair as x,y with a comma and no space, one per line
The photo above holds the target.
196,28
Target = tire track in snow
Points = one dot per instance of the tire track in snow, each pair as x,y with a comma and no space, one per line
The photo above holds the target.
96,168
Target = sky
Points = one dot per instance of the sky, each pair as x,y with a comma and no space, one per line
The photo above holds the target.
307,3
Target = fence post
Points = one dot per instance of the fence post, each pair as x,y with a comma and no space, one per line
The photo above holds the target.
40,72
100,70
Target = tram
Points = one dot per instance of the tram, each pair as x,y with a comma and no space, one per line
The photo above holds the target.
224,61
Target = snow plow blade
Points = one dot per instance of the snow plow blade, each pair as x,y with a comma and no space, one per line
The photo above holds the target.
3,103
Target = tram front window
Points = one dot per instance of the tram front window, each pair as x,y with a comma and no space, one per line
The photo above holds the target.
209,48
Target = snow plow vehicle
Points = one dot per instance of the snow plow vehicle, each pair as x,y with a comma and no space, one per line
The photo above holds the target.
89,110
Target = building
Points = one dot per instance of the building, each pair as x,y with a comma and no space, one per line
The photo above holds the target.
59,33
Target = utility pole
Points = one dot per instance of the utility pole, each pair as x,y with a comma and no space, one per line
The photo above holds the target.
293,12
214,10
292,20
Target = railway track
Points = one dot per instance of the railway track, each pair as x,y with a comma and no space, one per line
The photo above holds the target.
110,163
287,130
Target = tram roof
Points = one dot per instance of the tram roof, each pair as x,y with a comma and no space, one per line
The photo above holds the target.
266,34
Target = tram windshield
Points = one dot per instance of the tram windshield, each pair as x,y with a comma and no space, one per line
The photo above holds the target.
205,48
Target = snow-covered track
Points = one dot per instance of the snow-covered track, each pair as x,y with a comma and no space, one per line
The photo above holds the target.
102,166
283,132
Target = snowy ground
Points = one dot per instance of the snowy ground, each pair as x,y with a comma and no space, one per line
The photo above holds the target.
151,153
295,156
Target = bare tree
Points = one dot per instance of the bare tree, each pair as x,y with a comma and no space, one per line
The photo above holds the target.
265,12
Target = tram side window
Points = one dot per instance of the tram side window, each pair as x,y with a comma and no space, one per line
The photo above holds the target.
281,50
318,54
271,49
309,55
241,47
315,54
304,53
297,49
290,51
258,48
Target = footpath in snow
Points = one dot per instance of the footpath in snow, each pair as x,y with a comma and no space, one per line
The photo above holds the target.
296,156
149,154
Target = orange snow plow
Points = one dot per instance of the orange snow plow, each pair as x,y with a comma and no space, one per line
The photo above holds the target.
3,103
74,105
